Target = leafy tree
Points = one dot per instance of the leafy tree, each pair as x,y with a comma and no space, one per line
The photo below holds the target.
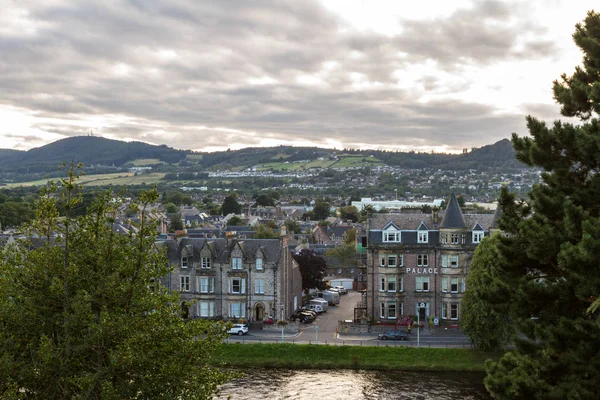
176,223
84,314
552,248
235,221
321,210
349,213
489,326
14,213
345,255
350,237
230,205
313,269
264,200
171,208
265,232
293,226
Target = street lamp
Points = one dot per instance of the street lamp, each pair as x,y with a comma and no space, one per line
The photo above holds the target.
316,333
419,306
396,191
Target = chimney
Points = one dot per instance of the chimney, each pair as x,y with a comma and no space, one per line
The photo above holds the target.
284,237
435,215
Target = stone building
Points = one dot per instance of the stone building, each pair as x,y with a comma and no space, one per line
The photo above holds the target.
418,263
234,278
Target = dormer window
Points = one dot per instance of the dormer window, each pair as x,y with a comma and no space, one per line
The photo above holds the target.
205,262
422,236
259,264
236,263
477,236
184,262
391,236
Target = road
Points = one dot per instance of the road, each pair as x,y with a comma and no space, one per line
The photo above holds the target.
323,331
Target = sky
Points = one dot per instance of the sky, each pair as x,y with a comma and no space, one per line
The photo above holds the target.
210,75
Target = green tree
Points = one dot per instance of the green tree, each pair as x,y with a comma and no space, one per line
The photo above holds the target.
344,254
265,232
235,221
176,223
349,213
264,200
230,205
321,210
488,325
171,208
293,226
84,314
552,247
313,269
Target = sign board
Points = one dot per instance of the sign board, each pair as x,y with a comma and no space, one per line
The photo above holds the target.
421,305
436,321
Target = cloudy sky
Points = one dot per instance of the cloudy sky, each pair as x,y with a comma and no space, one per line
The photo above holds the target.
211,75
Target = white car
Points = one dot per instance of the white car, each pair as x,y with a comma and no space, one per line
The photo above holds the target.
238,329
341,289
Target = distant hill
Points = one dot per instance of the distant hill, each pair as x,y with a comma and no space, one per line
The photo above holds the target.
9,153
90,150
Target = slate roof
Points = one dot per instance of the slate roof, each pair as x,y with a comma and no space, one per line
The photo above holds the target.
221,248
453,217
405,222
497,216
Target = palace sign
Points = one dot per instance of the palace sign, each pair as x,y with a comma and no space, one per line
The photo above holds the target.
422,270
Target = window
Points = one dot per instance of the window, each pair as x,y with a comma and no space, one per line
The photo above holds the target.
444,238
454,238
184,283
236,263
382,261
259,264
422,283
450,260
237,285
477,236
391,283
381,310
207,285
206,309
444,310
462,284
184,262
237,310
391,310
454,285
422,236
400,260
444,284
205,262
453,311
382,283
391,261
259,286
391,236
422,260
401,284
463,238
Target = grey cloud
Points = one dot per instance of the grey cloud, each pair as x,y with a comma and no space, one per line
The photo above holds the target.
220,45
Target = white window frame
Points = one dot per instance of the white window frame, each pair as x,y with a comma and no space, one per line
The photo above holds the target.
392,260
422,260
236,263
454,309
450,261
391,306
422,236
205,262
391,280
206,284
184,283
444,310
382,283
453,281
454,238
259,286
184,262
242,285
420,282
382,310
259,264
444,284
382,261
478,236
463,284
206,309
391,236
242,309
400,284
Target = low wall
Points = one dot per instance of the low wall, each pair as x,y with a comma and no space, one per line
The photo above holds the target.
353,328
291,327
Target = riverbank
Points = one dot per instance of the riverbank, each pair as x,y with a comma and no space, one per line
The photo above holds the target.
300,356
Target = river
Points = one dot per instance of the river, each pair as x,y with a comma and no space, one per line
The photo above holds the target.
345,384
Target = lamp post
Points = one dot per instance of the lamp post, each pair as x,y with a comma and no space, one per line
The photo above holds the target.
396,191
419,306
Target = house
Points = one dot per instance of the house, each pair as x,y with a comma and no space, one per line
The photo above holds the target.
233,278
417,263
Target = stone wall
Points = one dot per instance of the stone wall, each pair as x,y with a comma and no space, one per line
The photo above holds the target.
291,327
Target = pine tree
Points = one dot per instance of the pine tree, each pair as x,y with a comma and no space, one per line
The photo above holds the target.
84,315
552,247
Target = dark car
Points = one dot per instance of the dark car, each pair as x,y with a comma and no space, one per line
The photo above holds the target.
394,335
303,316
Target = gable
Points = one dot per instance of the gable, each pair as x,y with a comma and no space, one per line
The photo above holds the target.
390,226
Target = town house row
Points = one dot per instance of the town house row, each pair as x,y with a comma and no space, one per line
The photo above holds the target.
417,264
234,278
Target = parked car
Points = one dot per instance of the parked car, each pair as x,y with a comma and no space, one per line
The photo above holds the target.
393,335
238,329
303,316
341,289
303,311
314,307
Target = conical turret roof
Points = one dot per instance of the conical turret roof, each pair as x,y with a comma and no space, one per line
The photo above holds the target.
497,215
453,217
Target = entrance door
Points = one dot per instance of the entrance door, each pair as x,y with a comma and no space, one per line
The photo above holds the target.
260,312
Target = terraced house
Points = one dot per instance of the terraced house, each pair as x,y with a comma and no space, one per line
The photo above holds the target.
234,278
418,263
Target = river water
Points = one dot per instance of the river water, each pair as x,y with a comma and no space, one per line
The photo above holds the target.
345,384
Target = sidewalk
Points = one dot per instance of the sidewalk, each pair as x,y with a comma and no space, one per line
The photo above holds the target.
273,334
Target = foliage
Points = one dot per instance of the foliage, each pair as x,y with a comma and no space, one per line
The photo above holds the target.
265,200
489,326
265,232
84,314
235,221
313,269
293,226
230,205
349,213
321,210
14,211
171,208
344,254
552,247
176,223
350,237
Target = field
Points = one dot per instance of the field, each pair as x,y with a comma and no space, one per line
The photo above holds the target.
143,162
356,161
117,179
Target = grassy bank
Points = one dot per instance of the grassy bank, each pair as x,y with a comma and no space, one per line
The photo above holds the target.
299,356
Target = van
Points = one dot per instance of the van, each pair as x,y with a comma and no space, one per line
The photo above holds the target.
320,302
331,297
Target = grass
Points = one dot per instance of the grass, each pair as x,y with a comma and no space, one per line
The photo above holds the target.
116,179
287,355
143,162
356,161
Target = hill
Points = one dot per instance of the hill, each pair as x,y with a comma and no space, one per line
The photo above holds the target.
91,150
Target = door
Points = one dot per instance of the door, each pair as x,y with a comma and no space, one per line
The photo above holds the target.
260,312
